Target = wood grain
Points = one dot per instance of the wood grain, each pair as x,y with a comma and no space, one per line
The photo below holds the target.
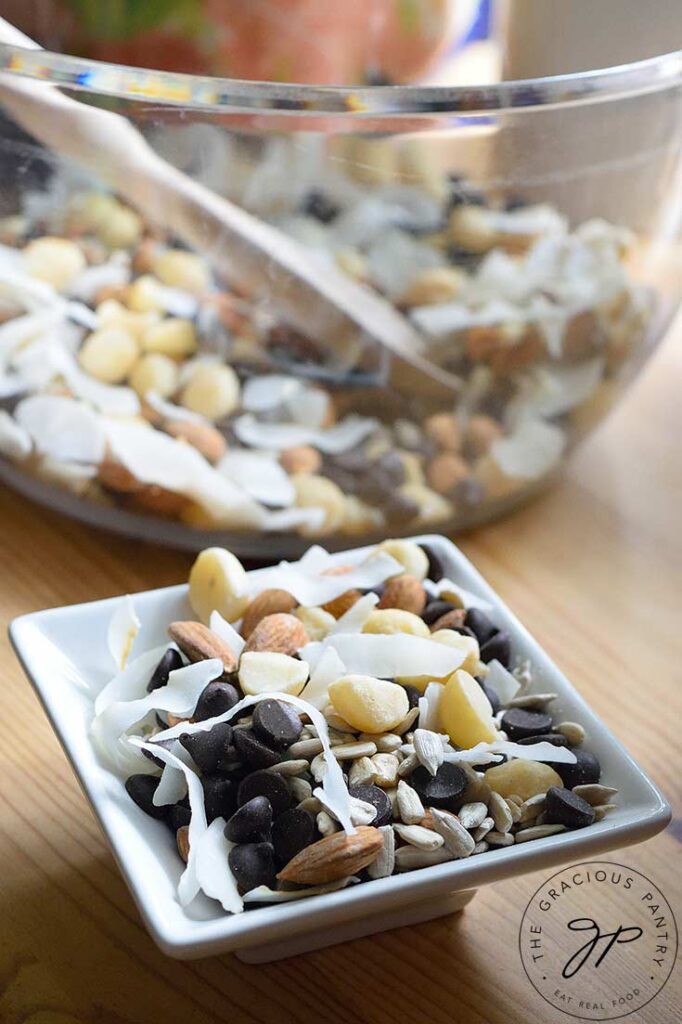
593,568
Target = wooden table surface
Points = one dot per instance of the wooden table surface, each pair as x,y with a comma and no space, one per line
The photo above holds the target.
593,568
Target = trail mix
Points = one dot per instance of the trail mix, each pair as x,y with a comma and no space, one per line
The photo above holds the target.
136,377
327,723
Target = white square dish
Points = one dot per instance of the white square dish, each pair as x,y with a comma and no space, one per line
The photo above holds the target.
64,653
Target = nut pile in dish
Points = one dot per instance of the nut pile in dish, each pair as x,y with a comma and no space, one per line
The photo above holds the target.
134,376
327,723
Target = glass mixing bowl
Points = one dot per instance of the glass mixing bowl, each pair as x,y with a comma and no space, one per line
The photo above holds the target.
529,231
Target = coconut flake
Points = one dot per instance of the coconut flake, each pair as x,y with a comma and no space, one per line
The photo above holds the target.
276,520
531,451
354,619
188,887
263,894
466,597
388,656
396,258
310,588
533,752
336,793
172,784
212,867
261,394
171,411
114,273
124,626
176,301
309,407
347,434
260,475
327,670
62,428
554,390
502,681
15,440
429,707
222,628
131,682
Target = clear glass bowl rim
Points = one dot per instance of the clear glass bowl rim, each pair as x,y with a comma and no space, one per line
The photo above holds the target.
226,95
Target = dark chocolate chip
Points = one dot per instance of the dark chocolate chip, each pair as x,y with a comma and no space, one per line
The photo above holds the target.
391,468
462,630
555,738
435,609
141,789
318,205
216,698
253,864
443,789
480,623
269,784
178,815
497,648
211,750
399,509
565,808
252,823
435,571
292,832
585,770
169,663
220,795
166,744
468,492
495,702
377,797
254,753
277,724
413,696
521,722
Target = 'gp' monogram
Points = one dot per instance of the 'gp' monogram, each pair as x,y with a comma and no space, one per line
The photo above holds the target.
620,936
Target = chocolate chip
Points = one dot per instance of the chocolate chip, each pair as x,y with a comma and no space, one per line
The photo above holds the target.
277,724
141,789
216,698
251,823
494,700
377,797
254,753
318,205
520,722
169,663
220,795
269,784
400,509
555,738
480,623
413,696
435,571
253,864
497,648
211,750
442,789
586,769
166,744
435,610
391,468
292,832
565,808
178,815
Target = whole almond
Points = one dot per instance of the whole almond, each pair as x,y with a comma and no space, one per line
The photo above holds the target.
341,604
451,620
405,592
336,856
202,436
302,458
182,840
117,477
159,500
199,643
268,602
279,632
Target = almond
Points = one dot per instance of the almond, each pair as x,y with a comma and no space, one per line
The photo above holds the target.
336,856
301,458
117,477
404,592
199,643
182,840
159,500
340,605
268,602
279,632
451,620
202,436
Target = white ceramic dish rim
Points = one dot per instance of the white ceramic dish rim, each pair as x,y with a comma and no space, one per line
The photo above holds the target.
190,938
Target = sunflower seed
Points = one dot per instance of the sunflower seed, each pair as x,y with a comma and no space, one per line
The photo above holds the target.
602,809
531,700
531,807
361,772
471,815
318,767
407,858
407,722
305,748
457,839
410,807
574,733
481,847
428,746
300,789
499,838
351,751
538,832
383,866
407,766
486,825
514,810
312,804
290,767
594,793
326,824
386,743
336,738
500,813
385,770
